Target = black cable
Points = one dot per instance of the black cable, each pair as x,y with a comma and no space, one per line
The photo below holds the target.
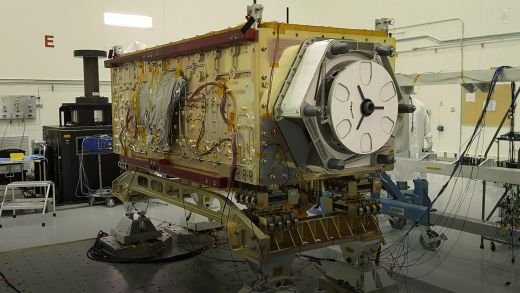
3,136
494,80
459,163
9,283
316,259
406,264
23,134
447,226
197,258
416,260
413,114
224,260
96,253
506,114
457,206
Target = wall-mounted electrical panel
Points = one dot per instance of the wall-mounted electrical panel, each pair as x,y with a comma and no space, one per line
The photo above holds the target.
18,107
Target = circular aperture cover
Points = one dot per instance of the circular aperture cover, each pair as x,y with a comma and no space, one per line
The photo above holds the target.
363,106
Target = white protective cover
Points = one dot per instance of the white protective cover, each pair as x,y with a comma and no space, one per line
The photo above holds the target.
345,106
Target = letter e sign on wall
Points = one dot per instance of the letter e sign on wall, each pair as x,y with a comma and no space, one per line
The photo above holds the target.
48,41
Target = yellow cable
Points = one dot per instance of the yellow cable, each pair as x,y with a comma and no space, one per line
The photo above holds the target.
417,76
462,76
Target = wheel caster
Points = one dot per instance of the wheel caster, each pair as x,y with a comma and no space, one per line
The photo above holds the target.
397,222
54,214
91,201
14,216
43,224
430,245
493,247
111,202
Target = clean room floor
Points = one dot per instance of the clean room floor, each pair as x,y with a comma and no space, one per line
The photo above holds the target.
459,266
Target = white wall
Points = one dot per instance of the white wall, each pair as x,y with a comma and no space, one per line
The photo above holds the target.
79,25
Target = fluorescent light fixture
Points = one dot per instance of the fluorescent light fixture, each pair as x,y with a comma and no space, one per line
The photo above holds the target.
128,20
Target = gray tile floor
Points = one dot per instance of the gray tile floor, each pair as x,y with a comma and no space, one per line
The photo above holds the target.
459,266
200,274
71,223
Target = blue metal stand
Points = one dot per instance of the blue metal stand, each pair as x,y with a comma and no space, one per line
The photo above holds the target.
412,206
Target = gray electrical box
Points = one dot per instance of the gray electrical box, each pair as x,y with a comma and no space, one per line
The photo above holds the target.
18,107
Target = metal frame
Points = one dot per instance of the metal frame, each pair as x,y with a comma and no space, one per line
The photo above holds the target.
471,76
244,237
489,231
412,206
485,172
233,36
163,167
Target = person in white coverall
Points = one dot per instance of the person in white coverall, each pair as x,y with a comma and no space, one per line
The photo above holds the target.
420,132
419,142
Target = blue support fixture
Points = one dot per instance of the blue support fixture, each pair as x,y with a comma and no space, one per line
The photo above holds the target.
404,204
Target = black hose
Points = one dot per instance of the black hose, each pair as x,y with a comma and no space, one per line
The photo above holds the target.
511,107
9,283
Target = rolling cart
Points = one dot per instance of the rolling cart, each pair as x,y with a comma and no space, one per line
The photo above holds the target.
99,146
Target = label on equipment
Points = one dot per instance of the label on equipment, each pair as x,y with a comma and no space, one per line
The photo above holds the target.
397,211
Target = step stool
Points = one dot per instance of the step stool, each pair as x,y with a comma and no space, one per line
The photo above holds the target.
29,203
